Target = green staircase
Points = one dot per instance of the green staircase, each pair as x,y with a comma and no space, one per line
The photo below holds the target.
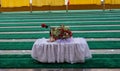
90,24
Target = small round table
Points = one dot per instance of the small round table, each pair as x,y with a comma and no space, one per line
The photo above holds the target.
72,51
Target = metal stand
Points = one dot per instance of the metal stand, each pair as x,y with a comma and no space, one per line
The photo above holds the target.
110,5
0,8
103,4
66,8
30,6
49,8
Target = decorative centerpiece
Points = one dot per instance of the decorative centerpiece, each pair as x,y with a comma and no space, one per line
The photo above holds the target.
62,32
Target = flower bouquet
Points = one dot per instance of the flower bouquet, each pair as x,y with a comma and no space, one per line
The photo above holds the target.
61,32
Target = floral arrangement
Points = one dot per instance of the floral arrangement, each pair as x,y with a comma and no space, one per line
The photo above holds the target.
61,32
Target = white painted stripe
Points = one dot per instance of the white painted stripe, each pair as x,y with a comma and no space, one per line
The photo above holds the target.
18,40
15,52
57,26
24,32
33,40
63,13
61,16
106,51
61,19
113,21
96,31
103,39
100,51
35,32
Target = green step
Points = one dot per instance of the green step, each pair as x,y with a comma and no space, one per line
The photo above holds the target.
57,17
57,24
80,12
46,35
25,61
71,28
56,20
61,18
28,45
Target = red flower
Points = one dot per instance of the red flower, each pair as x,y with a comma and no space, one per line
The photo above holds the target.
60,35
44,26
70,33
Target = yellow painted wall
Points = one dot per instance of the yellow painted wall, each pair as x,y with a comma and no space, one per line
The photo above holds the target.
14,3
19,3
116,1
112,1
85,2
48,2
98,2
108,1
40,2
57,2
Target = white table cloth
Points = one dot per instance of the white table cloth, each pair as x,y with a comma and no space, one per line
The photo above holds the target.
71,51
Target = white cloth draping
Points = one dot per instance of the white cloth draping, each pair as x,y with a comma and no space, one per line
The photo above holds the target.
76,50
